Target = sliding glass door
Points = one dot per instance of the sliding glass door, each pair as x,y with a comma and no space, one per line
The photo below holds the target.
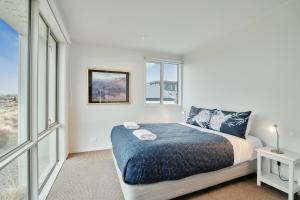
28,145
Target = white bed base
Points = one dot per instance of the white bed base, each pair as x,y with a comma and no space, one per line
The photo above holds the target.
171,189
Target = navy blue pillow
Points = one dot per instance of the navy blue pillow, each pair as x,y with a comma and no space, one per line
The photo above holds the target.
232,123
200,117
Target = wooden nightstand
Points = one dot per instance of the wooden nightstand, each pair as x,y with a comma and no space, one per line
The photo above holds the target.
291,159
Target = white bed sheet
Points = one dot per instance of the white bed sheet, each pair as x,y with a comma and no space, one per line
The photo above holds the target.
244,149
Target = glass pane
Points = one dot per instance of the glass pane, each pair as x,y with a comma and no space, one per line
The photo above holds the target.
14,179
42,76
170,92
47,156
14,21
52,79
153,83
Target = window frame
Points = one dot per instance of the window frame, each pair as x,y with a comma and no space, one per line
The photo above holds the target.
13,151
51,34
51,128
46,83
162,64
49,125
54,131
14,158
30,146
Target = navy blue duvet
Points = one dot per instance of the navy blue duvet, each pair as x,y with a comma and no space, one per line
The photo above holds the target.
178,152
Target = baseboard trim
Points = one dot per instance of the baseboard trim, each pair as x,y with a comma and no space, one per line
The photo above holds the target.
44,193
90,149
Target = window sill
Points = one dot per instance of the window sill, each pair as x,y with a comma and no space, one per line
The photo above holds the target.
162,104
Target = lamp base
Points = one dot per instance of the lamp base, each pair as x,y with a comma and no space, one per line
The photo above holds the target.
278,151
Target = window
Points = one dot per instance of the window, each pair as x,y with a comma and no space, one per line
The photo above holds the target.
14,98
47,78
52,97
153,83
28,101
47,102
13,75
42,76
47,156
14,179
170,83
162,82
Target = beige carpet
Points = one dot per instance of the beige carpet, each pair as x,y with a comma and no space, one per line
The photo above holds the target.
92,176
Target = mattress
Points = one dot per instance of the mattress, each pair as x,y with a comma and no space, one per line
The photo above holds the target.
244,149
197,151
170,189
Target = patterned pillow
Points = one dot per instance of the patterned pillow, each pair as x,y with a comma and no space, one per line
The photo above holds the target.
199,117
232,123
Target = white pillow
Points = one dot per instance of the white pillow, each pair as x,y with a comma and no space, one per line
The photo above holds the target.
249,125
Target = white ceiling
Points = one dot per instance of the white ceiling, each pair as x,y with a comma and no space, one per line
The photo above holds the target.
171,26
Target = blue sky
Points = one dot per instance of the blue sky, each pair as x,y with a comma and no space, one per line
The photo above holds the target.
9,59
153,72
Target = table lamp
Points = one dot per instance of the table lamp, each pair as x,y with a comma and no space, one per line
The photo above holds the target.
277,150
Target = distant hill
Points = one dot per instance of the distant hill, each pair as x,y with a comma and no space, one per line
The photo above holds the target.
112,89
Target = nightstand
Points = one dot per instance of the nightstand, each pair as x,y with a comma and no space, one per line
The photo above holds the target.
291,159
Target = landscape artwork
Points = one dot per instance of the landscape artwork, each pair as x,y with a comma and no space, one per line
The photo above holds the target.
108,86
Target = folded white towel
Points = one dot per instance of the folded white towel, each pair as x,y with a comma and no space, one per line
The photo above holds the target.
144,134
131,125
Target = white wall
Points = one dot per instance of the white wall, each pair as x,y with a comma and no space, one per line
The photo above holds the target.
90,125
255,68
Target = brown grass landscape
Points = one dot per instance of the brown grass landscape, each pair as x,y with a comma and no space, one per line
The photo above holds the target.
10,189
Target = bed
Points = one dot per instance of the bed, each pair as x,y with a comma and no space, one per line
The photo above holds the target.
184,158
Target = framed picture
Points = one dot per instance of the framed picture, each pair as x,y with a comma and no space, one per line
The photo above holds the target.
108,86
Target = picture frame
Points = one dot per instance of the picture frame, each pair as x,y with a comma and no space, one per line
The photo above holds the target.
108,87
